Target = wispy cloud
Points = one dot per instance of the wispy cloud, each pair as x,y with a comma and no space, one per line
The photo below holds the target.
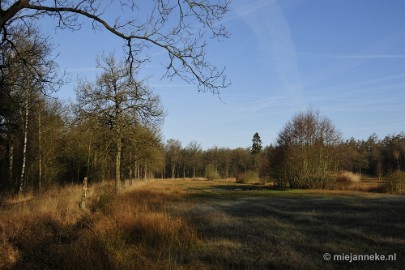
375,56
354,56
171,85
383,94
82,69
275,43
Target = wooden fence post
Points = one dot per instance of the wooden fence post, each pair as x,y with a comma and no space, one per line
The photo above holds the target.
84,194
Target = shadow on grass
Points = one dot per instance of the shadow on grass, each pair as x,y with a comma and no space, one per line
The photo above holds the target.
265,227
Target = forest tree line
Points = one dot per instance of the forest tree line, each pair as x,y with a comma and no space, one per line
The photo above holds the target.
112,131
115,121
45,142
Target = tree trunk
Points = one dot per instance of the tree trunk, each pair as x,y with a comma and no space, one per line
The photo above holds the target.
130,176
39,150
11,160
24,161
136,170
88,158
173,171
118,165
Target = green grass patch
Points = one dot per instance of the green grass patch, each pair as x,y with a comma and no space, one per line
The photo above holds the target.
267,228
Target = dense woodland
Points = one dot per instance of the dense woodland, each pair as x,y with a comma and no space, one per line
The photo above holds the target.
45,142
112,131
113,128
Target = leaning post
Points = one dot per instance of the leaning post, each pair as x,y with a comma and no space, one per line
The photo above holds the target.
84,194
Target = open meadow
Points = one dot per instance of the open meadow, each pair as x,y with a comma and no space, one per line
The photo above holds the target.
186,224
204,134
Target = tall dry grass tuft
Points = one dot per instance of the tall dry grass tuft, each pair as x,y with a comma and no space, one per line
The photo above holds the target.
346,180
395,182
26,221
132,230
348,177
141,233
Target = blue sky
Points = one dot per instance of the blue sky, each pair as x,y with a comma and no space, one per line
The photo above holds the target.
345,58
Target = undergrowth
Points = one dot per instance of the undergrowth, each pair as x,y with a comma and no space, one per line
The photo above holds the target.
395,182
131,230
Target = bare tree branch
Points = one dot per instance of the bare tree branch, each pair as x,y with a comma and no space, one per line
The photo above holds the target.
152,25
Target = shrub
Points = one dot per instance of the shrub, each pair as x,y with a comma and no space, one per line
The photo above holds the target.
331,180
395,182
249,176
102,201
316,182
211,173
348,177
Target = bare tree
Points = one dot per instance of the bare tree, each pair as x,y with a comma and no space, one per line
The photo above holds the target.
143,152
307,149
178,28
173,150
120,103
195,152
30,72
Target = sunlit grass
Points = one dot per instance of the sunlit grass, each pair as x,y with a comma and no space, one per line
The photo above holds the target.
178,224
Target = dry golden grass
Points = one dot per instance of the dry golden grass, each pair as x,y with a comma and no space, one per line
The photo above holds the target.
20,214
178,224
132,230
348,177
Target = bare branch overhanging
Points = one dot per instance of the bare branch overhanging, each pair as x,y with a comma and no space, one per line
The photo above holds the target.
178,28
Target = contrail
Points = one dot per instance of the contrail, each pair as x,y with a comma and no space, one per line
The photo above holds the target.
275,42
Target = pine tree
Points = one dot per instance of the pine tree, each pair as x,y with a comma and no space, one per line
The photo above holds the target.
257,144
256,150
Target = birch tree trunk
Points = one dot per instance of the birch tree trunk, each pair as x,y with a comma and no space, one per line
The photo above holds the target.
11,159
24,160
118,127
39,149
88,157
118,165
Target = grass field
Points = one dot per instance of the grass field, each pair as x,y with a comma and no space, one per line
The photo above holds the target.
184,224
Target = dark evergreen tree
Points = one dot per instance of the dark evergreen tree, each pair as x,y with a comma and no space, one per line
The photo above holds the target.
257,144
256,150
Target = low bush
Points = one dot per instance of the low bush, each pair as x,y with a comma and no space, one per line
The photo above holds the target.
342,180
247,177
395,182
317,182
211,173
348,177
